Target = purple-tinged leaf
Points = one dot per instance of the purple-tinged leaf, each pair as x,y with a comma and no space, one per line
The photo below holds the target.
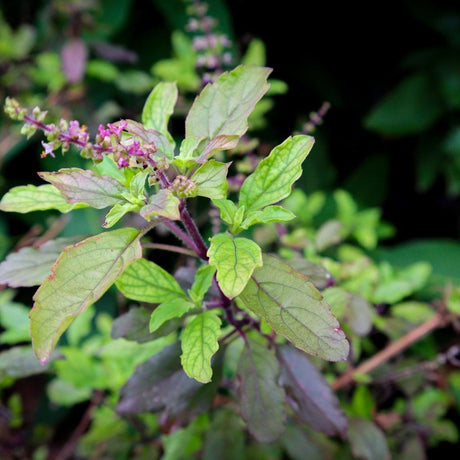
301,444
309,394
161,204
225,438
367,440
262,400
80,276
134,325
30,266
20,362
224,107
84,186
317,274
160,384
74,55
294,308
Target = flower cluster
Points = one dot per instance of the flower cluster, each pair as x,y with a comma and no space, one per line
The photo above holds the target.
127,150
213,49
183,186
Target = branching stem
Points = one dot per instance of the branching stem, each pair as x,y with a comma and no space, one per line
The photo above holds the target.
440,319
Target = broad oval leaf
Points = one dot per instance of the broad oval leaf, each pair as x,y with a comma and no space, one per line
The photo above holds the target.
274,176
235,260
367,440
199,343
28,198
80,276
161,383
294,308
84,186
146,281
30,266
314,401
223,107
262,400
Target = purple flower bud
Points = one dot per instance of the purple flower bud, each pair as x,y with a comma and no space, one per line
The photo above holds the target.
48,149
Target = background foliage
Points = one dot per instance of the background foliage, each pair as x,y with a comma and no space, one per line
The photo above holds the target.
388,150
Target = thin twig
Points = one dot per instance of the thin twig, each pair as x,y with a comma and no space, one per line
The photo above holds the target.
171,248
69,447
393,349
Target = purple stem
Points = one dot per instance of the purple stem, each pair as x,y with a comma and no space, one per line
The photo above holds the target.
182,236
193,231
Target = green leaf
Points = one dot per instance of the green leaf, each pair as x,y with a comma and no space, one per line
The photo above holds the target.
367,440
230,213
199,343
80,276
28,198
262,400
170,309
211,179
402,284
294,308
14,319
84,186
117,212
274,176
159,106
201,283
161,204
146,281
267,215
30,266
410,108
223,107
235,259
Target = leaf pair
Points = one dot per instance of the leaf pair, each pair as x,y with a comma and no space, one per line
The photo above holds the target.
268,377
145,281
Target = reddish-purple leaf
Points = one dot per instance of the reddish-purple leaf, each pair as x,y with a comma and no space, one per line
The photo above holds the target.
261,398
309,394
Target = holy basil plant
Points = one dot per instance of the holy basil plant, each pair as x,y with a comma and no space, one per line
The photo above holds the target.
232,290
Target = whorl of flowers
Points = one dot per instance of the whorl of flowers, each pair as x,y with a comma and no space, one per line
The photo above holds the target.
115,139
213,48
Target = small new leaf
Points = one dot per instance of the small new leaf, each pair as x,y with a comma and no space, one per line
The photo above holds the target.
235,259
175,308
211,180
201,283
294,308
274,176
199,343
80,276
162,204
146,281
